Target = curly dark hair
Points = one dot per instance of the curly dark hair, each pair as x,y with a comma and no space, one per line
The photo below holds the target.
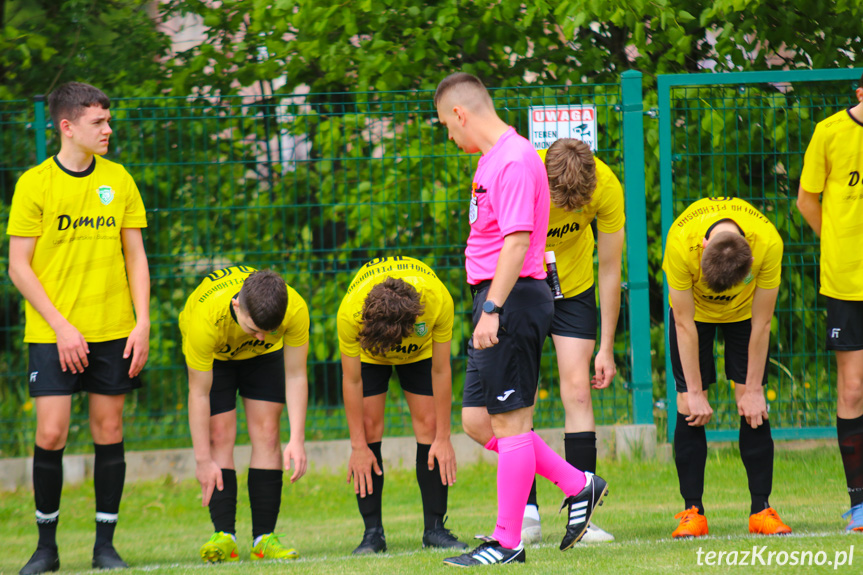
726,261
264,296
389,313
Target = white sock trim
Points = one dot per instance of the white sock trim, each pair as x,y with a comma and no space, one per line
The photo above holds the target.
47,517
106,517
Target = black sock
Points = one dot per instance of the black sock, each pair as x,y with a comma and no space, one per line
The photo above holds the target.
370,505
850,434
223,504
109,476
47,487
581,450
690,457
433,491
265,499
756,451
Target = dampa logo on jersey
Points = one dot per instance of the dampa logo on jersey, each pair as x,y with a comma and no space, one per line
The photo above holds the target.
106,194
420,329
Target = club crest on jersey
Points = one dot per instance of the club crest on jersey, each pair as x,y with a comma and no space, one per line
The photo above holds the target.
749,277
106,194
420,329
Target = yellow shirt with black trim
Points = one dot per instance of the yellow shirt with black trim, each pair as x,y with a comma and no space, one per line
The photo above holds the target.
683,250
433,325
834,165
570,235
210,329
78,257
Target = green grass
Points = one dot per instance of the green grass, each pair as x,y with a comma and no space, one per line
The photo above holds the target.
162,524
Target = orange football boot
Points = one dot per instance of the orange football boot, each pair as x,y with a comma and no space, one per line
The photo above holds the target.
767,522
692,524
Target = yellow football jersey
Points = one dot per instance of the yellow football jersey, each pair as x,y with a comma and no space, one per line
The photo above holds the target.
433,325
78,258
570,235
833,165
683,250
210,329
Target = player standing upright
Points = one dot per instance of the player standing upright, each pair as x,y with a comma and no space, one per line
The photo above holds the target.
245,332
833,166
75,238
722,261
398,313
512,314
582,188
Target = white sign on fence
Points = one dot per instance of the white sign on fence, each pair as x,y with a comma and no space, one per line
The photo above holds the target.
549,123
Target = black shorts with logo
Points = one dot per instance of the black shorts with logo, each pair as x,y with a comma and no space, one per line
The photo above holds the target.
413,377
576,316
844,324
503,378
736,335
106,374
261,378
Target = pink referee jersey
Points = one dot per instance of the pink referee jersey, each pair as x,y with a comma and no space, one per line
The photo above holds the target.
510,194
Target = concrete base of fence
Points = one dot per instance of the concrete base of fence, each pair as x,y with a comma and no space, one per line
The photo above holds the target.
612,442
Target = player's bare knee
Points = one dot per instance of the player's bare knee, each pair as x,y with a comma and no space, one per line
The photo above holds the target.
851,391
51,438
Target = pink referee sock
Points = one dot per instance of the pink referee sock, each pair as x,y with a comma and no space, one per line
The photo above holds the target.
555,468
516,466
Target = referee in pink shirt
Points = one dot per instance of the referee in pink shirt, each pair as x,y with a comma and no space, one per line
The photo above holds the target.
512,314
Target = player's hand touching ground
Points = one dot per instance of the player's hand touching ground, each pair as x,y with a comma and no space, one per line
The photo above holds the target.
360,467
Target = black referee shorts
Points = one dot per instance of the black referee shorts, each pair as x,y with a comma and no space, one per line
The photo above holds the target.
503,378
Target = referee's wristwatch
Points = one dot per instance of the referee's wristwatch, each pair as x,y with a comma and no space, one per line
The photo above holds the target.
489,306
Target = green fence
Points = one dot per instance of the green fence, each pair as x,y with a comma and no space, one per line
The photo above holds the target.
744,135
313,186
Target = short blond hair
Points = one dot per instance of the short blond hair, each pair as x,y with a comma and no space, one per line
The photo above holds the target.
571,170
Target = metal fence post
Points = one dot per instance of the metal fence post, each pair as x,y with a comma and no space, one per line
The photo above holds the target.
636,246
40,126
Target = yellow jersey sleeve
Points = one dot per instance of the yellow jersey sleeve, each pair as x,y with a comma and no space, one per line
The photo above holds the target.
135,216
610,213
349,327
770,272
296,324
815,168
200,341
442,331
676,266
25,215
